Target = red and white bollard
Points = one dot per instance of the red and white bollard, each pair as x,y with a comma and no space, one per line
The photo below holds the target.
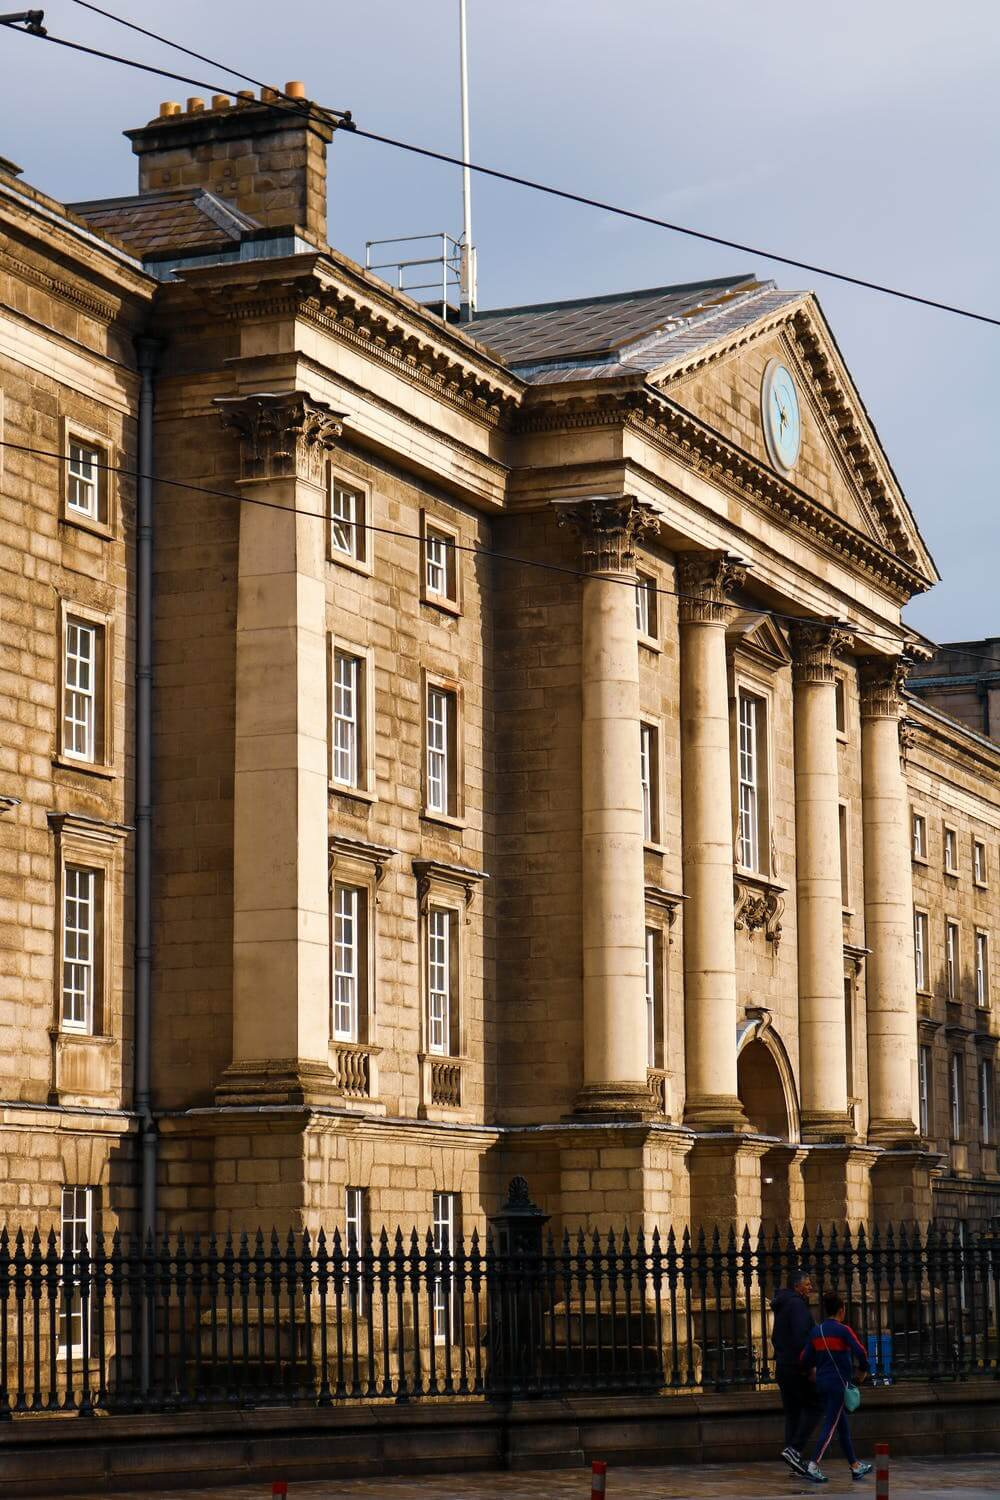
598,1479
881,1471
279,1489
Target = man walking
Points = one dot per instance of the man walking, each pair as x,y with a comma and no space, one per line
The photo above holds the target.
793,1323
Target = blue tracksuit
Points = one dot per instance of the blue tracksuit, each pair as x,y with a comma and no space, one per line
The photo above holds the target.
832,1350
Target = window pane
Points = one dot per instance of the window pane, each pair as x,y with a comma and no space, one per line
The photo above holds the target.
79,921
79,689
749,792
76,1230
438,981
346,715
444,1241
347,521
925,1090
439,564
648,780
347,939
438,771
651,966
82,479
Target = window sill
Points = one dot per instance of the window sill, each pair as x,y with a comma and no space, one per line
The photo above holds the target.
981,885
443,603
86,767
84,523
843,738
650,847
443,820
920,859
951,874
650,643
354,793
353,564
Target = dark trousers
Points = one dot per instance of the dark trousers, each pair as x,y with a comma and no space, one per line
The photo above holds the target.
834,1421
801,1407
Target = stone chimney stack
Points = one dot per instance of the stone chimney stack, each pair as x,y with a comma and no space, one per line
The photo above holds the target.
270,162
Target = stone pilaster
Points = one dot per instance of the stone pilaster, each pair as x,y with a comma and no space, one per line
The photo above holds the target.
838,1184
822,1031
614,1043
704,581
890,982
281,983
726,1182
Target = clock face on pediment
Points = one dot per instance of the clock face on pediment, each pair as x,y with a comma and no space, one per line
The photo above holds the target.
779,411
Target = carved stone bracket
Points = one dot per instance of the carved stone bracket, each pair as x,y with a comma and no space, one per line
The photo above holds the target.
283,435
667,902
908,730
758,906
609,527
815,645
344,851
704,582
431,873
882,685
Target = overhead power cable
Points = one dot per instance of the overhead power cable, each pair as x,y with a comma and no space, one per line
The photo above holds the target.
477,551
285,104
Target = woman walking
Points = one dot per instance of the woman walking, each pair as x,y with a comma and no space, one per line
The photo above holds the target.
832,1350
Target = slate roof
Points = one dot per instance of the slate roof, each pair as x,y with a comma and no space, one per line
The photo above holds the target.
598,337
171,220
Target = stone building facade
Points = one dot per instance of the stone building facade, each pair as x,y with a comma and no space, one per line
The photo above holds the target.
530,792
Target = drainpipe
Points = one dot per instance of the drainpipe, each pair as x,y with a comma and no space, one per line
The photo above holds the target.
147,351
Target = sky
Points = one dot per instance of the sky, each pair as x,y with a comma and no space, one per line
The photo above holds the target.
863,137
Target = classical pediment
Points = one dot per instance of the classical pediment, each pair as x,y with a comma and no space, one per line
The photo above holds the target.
759,637
841,465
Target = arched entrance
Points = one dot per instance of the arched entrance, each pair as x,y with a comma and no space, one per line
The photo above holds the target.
768,1095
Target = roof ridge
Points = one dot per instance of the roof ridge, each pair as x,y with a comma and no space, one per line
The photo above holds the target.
609,297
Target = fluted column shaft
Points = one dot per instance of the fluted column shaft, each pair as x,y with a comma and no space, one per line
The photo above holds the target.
614,1026
710,1013
890,982
822,1026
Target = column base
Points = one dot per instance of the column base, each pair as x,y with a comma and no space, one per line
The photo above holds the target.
715,1112
621,1101
828,1125
838,1186
893,1134
278,1081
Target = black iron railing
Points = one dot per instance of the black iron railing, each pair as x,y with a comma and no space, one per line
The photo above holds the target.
190,1321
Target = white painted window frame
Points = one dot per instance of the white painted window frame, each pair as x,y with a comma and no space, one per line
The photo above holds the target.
349,937
81,887
72,1227
443,1299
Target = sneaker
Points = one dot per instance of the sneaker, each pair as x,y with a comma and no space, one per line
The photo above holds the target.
860,1469
794,1459
815,1473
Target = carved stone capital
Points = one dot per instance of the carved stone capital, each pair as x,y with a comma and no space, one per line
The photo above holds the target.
609,527
815,645
283,435
882,684
704,582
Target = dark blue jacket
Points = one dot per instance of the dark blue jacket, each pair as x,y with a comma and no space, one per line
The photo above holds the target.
832,1350
793,1321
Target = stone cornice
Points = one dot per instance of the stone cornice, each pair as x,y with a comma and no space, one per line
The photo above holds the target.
432,872
106,309
684,437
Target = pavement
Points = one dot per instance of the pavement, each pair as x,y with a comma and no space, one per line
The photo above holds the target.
976,1478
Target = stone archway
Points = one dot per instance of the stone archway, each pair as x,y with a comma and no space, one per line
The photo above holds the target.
770,1101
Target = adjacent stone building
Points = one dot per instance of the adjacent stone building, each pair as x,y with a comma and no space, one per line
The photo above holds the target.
535,783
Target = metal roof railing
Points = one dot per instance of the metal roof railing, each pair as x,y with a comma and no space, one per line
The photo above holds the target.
445,277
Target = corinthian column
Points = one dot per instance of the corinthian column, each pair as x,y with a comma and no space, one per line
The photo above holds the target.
704,580
614,1035
890,984
822,1033
281,985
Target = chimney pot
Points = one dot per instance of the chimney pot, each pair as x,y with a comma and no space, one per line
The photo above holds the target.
195,106
169,107
220,101
268,95
295,89
245,96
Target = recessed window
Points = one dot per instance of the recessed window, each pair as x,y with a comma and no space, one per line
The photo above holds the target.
83,480
920,948
646,622
86,480
82,688
349,961
441,744
442,1008
80,925
840,699
845,857
653,983
355,1242
346,718
77,1230
925,1077
441,563
980,870
951,959
445,1228
987,1097
919,837
752,782
348,521
957,1095
950,851
982,969
649,777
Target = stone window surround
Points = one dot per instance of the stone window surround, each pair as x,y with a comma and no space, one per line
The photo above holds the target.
921,919
755,683
840,680
846,844
455,817
449,603
651,582
90,844
655,843
103,764
354,862
365,790
105,523
949,834
980,848
451,888
915,817
362,559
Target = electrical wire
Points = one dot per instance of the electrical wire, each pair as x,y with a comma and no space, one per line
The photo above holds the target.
345,120
491,552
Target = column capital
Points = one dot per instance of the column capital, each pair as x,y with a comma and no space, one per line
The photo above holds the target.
704,579
609,527
283,434
882,683
815,644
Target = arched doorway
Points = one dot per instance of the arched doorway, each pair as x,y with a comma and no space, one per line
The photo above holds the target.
767,1092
